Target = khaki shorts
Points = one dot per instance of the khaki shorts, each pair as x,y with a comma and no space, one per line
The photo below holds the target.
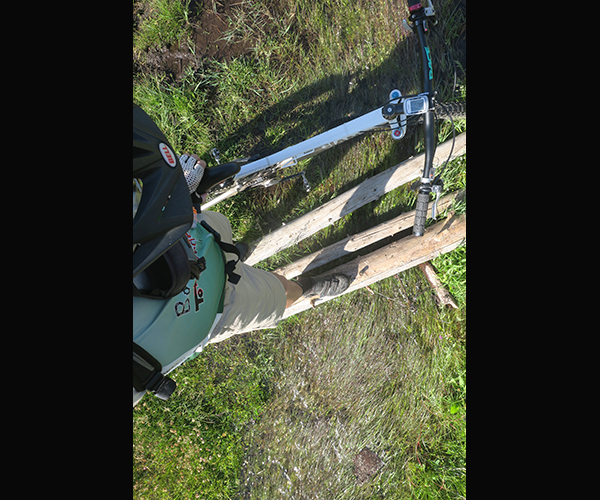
256,302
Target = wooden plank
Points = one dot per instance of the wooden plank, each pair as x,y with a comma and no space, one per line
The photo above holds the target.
366,192
358,241
396,257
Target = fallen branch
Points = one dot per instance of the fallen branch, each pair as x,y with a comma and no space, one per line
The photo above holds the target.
443,295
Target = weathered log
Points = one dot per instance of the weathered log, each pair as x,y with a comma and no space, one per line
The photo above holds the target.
358,241
366,192
443,295
396,257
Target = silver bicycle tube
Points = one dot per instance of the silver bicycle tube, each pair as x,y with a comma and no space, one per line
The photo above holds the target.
292,155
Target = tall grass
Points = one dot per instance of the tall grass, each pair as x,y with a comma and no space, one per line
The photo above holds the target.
191,444
382,377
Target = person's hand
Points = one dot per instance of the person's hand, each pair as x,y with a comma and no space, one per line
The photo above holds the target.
193,170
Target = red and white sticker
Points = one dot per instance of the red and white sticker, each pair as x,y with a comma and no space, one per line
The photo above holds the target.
167,154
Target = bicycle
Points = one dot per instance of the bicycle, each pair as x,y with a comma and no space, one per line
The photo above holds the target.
223,181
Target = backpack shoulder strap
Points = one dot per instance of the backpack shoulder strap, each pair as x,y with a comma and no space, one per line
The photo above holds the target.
147,374
229,248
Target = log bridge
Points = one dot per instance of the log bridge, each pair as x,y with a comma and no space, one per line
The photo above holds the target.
407,252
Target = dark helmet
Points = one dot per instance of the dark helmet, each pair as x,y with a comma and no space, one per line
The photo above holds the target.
162,208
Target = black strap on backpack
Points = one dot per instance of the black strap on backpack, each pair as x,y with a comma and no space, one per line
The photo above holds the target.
147,374
169,274
229,248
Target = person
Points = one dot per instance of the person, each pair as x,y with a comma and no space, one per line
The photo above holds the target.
190,285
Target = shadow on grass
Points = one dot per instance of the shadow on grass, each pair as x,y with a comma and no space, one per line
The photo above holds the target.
334,100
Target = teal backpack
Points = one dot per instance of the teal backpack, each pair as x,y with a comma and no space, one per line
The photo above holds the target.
177,302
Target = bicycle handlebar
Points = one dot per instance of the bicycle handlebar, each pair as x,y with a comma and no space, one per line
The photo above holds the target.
419,18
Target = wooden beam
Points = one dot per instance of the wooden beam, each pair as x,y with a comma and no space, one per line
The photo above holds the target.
396,257
358,241
366,192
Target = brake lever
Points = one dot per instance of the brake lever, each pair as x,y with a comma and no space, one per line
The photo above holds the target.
430,9
436,187
216,154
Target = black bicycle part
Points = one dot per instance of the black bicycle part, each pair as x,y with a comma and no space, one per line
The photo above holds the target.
451,110
419,20
421,210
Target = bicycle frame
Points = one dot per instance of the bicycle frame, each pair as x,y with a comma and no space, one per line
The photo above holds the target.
392,114
290,156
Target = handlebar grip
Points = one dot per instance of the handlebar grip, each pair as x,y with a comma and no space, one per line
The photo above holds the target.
421,214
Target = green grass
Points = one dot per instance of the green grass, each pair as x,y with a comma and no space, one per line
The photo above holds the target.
382,376
193,441
281,413
178,111
163,23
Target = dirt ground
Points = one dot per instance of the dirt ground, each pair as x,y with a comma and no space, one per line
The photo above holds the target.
208,38
208,31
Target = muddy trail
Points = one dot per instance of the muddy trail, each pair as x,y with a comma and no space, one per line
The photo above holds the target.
209,28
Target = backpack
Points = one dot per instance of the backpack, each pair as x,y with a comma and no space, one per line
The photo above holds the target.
176,306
